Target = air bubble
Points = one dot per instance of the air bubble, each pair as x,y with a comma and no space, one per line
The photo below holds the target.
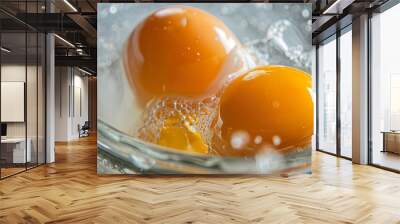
113,9
305,13
239,139
257,139
184,22
276,140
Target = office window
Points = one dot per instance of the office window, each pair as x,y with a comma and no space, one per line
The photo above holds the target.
346,94
385,89
327,96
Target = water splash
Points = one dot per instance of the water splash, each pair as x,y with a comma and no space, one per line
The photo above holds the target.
281,45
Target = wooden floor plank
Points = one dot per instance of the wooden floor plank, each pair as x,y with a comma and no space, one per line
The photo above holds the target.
70,191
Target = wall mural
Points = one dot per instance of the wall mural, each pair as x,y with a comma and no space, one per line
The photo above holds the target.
204,88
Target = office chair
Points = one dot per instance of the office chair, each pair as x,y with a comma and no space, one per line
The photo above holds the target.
84,130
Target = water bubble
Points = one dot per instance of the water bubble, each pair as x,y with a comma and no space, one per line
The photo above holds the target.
113,9
276,140
257,139
308,28
305,13
239,139
184,22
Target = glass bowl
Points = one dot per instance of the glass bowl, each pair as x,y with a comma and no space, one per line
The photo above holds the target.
119,153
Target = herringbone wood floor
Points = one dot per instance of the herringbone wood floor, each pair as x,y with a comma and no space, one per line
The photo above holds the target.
70,191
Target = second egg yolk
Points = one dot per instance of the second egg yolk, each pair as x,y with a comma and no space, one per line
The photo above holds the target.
267,107
179,51
181,135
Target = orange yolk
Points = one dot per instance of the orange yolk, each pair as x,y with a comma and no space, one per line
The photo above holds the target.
181,135
179,51
267,107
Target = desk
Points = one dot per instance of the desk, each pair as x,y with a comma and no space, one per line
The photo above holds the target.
391,141
15,148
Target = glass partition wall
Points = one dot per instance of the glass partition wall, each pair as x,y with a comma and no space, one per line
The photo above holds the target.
14,153
22,89
334,93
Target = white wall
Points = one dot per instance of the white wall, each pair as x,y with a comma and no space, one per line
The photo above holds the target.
69,82
14,73
11,73
61,103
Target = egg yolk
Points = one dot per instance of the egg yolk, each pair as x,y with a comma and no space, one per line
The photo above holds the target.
179,134
179,51
267,107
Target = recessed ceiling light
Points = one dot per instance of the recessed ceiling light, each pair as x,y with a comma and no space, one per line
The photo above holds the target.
5,50
84,71
337,7
64,40
70,5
